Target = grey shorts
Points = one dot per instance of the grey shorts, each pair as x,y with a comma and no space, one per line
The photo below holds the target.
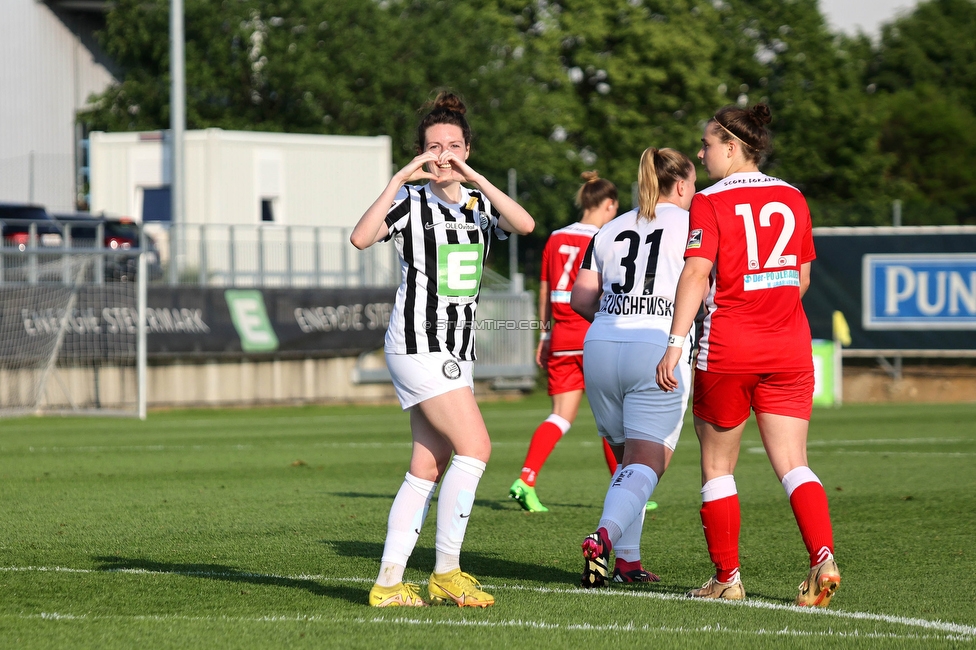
624,396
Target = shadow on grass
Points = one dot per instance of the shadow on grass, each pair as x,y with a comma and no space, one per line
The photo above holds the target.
481,565
362,495
352,594
491,504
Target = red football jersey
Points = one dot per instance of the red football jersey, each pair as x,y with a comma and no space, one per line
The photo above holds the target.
561,259
757,232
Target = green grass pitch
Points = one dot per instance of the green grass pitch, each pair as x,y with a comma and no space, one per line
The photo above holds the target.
264,528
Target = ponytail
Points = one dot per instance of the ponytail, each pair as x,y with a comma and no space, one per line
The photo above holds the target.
659,171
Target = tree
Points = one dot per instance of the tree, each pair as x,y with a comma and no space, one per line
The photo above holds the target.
933,138
641,75
555,87
935,44
358,68
825,134
924,70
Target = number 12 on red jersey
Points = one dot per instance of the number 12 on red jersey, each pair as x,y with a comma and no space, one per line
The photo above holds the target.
776,259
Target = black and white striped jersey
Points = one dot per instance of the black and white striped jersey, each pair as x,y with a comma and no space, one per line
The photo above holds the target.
442,248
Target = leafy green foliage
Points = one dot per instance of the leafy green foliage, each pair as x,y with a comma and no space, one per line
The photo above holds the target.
934,44
640,73
825,136
925,72
558,87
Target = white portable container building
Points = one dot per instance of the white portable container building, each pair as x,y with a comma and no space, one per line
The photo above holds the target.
242,177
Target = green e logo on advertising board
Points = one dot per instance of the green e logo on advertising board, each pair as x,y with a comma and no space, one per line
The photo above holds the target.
251,320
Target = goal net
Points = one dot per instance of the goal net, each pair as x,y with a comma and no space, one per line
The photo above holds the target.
72,333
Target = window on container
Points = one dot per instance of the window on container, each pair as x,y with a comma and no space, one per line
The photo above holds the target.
156,204
267,211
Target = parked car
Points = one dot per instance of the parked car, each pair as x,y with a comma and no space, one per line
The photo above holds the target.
15,225
80,230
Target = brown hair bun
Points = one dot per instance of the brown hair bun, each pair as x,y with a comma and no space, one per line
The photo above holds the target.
594,191
449,102
762,113
447,108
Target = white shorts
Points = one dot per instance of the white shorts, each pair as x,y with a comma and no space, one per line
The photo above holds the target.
418,377
626,401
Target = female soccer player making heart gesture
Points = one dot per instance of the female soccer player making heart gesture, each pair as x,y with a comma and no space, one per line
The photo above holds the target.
442,232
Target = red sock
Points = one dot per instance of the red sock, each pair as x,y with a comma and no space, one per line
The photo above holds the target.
608,454
809,503
623,566
721,522
543,441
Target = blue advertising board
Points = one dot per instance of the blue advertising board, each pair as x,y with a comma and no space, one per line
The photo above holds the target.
919,291
908,289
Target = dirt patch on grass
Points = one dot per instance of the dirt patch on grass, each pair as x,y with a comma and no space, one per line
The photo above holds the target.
918,383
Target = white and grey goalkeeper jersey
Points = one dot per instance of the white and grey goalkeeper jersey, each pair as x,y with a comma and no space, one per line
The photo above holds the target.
442,248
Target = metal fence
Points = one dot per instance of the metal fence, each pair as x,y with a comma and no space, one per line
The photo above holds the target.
321,256
278,256
37,253
269,256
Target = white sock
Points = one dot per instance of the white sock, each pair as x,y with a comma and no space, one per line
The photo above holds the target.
403,527
454,505
797,477
627,547
560,422
614,531
626,499
718,488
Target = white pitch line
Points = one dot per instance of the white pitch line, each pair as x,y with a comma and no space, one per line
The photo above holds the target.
316,445
633,627
965,632
152,448
878,452
948,454
512,623
885,441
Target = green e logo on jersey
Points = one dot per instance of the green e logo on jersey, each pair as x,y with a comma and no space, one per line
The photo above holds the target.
459,269
251,321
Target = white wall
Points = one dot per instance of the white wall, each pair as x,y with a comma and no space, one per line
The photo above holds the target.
46,77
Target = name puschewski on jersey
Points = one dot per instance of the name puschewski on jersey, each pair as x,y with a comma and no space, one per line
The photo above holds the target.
626,305
639,261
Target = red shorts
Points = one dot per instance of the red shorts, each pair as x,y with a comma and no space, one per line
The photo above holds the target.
565,373
724,400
